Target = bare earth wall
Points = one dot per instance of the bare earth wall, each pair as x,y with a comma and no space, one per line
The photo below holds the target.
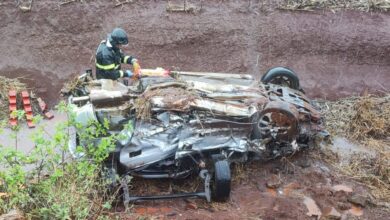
335,54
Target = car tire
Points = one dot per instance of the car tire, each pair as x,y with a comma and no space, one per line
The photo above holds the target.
276,74
222,181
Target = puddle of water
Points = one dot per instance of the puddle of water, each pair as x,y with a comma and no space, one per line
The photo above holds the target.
355,210
342,187
346,148
313,209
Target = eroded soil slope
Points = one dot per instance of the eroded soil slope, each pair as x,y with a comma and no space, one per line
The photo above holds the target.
335,54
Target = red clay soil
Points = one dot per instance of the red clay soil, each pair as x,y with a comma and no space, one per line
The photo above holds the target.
293,179
335,54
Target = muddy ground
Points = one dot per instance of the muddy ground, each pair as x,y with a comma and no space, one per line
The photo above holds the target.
335,55
298,187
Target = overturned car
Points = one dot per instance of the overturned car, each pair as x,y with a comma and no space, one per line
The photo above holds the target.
186,123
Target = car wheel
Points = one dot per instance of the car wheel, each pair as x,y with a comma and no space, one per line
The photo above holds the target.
278,121
222,181
281,76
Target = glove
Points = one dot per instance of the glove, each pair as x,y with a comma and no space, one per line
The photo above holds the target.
134,60
128,73
136,68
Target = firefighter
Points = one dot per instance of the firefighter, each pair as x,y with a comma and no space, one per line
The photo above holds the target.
109,57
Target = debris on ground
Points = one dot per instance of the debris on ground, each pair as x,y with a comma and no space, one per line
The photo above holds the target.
274,182
309,5
12,215
360,199
331,213
75,87
121,3
7,85
185,7
312,207
366,121
371,118
358,117
25,5
341,187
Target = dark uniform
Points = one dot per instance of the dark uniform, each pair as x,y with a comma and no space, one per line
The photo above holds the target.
109,57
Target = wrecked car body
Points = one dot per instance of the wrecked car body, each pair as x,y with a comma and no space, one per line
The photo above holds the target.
199,123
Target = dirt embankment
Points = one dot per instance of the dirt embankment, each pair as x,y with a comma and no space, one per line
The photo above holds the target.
335,54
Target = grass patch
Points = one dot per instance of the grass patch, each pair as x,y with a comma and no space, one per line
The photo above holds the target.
365,121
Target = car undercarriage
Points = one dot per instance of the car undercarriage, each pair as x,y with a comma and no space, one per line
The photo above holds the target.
193,123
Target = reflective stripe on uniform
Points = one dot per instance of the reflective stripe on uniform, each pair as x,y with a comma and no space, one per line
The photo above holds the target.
121,73
125,59
106,67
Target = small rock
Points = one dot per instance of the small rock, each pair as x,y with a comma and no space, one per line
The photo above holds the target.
304,163
313,209
331,213
342,188
355,210
276,169
274,182
191,205
343,206
12,215
171,214
211,209
359,199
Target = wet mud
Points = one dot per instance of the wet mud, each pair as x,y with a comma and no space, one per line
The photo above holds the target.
335,54
307,189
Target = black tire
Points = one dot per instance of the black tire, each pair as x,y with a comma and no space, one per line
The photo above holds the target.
222,181
273,75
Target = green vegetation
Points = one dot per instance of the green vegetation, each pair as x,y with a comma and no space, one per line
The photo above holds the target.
47,183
